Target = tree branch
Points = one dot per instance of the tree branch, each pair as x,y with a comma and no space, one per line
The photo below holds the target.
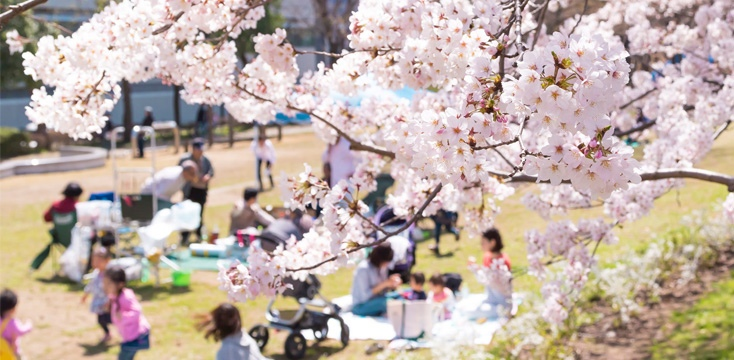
648,92
721,129
415,218
661,174
583,12
164,28
354,144
18,9
635,129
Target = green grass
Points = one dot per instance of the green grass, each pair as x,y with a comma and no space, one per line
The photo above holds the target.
171,311
704,331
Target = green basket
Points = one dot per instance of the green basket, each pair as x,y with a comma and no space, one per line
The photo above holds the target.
181,278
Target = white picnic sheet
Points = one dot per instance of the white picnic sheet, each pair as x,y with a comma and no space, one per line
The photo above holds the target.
457,330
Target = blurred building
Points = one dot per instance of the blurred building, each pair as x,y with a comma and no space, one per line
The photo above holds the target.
300,20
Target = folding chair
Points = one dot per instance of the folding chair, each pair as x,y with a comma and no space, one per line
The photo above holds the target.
60,239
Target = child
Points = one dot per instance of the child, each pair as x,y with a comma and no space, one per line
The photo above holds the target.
264,153
224,324
499,295
417,279
440,294
100,302
11,329
126,314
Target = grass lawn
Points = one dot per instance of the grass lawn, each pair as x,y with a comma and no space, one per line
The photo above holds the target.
706,330
66,330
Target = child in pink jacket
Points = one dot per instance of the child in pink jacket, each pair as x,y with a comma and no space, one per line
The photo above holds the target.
127,314
12,329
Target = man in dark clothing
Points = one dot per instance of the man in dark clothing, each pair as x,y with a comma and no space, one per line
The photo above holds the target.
197,191
65,208
147,121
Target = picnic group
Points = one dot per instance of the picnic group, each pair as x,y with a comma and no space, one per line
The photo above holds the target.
385,274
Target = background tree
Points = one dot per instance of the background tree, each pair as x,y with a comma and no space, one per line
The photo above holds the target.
12,64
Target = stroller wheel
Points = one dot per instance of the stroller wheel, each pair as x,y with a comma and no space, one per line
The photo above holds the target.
321,334
345,334
295,346
260,334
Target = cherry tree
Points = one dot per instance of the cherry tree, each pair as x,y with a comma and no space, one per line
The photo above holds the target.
500,101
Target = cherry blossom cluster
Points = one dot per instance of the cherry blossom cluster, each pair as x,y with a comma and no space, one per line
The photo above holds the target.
496,275
15,41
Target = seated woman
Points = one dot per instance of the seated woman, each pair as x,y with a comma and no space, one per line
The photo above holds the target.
499,294
371,282
64,209
248,213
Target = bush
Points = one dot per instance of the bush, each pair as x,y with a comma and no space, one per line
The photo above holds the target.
14,142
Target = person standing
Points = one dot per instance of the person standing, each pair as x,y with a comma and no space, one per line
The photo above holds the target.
340,159
196,191
264,153
168,181
147,121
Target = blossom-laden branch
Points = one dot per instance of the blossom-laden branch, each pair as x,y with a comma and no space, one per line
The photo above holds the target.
18,9
354,144
661,174
384,238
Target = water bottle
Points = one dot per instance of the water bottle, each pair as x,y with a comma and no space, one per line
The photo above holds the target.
215,235
204,234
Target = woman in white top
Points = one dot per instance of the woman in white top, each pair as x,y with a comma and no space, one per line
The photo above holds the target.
264,153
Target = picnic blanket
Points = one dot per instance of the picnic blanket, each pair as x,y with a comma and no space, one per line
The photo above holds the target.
460,329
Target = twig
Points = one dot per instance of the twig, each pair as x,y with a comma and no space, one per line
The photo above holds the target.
52,24
721,129
583,12
648,92
415,217
18,9
354,144
164,28
635,129
541,18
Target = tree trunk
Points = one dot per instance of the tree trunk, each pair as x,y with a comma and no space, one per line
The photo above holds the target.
230,124
177,105
127,113
210,124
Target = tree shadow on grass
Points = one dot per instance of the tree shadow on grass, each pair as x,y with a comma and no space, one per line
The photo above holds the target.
61,280
95,349
150,291
315,351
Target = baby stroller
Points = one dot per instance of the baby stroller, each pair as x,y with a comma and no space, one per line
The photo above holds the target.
306,292
403,264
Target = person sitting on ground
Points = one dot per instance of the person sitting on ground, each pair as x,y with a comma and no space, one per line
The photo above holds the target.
225,324
247,213
498,295
417,280
440,294
63,207
168,181
11,329
371,282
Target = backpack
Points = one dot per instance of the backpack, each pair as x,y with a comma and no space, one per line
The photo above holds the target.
453,281
6,351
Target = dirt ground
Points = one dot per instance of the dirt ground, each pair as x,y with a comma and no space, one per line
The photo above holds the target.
633,340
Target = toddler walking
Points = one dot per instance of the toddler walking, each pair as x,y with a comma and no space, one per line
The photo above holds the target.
11,329
100,301
126,314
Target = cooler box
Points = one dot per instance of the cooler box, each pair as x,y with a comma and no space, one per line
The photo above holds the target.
411,319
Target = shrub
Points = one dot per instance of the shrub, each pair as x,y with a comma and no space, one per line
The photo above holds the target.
14,142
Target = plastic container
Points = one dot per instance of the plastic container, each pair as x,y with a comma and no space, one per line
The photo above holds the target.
207,250
181,278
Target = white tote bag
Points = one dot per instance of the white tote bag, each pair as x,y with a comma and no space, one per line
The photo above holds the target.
411,319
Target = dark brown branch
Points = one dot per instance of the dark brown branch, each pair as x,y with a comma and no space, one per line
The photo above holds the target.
583,12
635,129
492,146
354,144
648,92
18,9
415,217
661,174
164,28
721,129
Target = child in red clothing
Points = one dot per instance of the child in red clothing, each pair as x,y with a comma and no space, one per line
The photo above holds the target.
492,247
